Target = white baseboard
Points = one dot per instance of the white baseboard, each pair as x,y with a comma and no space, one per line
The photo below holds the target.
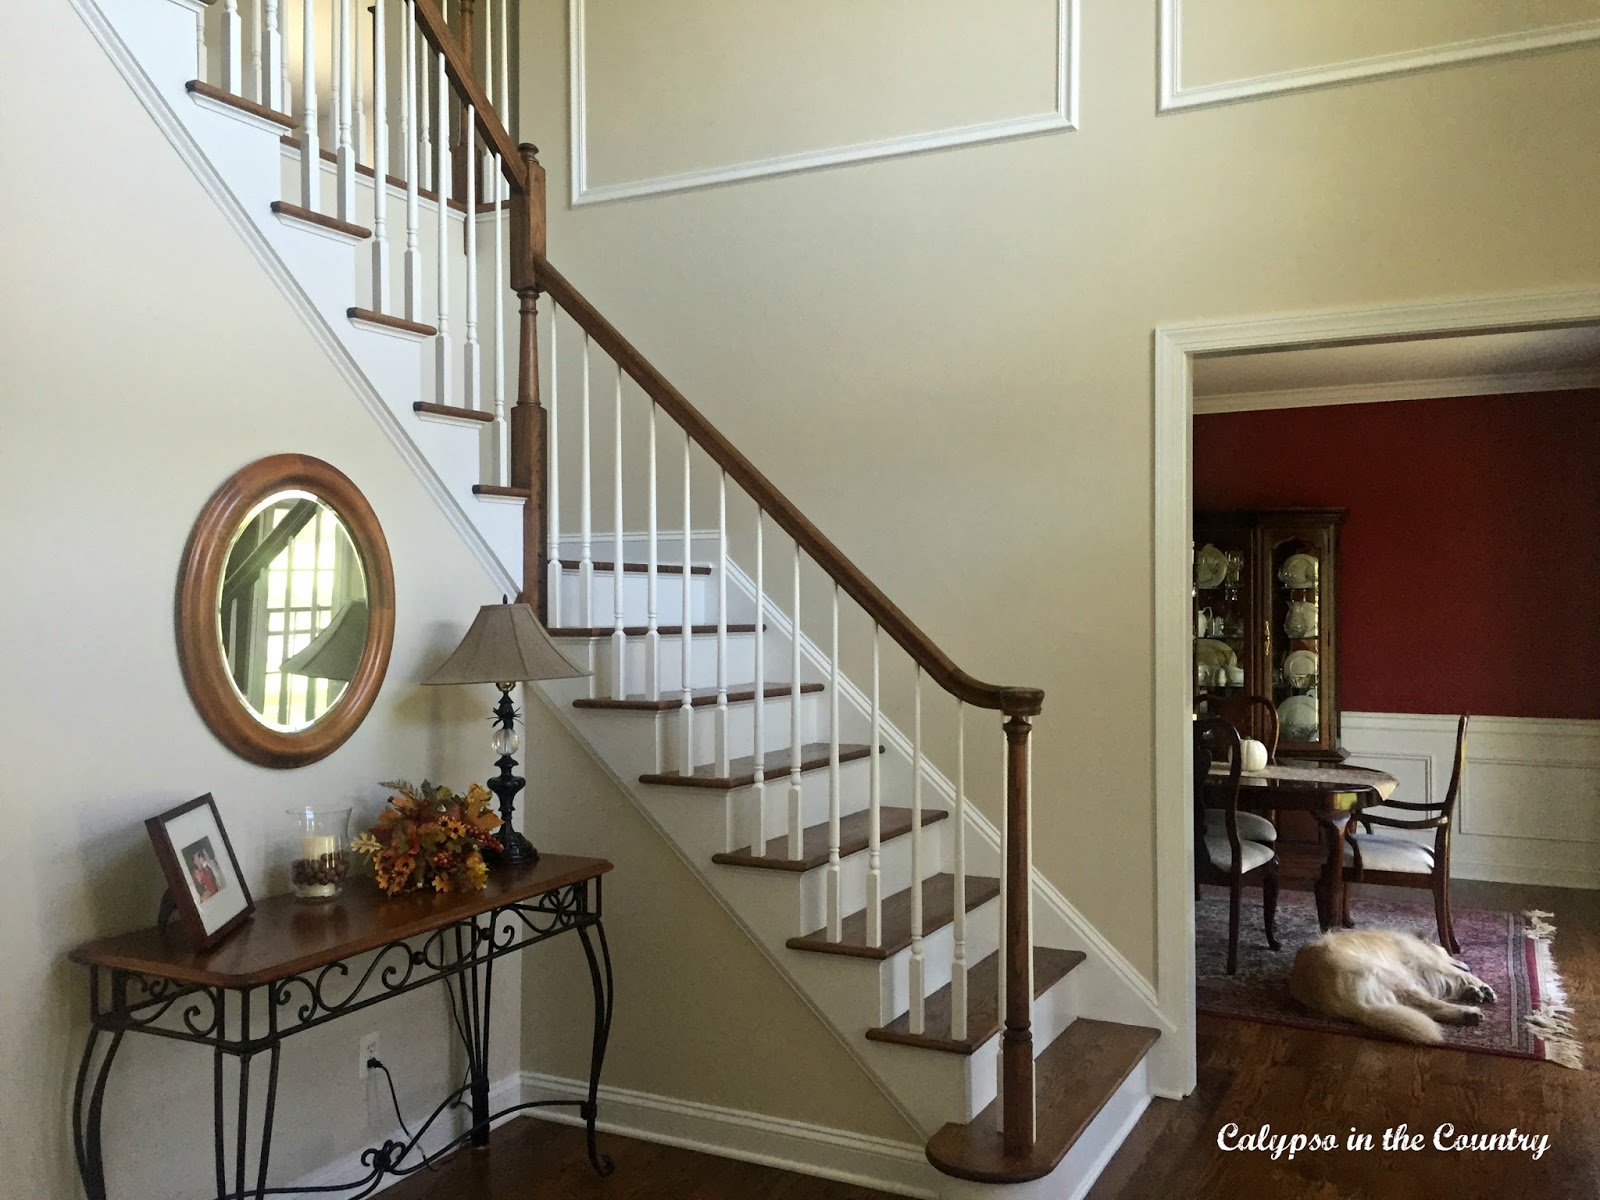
503,1093
900,1168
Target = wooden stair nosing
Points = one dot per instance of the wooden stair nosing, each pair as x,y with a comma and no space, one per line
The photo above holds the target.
294,212
371,317
501,490
698,697
452,412
938,910
633,568
1074,1078
293,141
1050,967
605,631
854,837
199,87
813,757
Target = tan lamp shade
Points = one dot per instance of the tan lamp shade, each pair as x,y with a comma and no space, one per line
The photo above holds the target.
506,644
336,652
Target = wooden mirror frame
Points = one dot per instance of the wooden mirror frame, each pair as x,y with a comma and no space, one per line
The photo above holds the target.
199,630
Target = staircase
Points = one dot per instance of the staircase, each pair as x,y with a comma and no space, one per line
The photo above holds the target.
764,704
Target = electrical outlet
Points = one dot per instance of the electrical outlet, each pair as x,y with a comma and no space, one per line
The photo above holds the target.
367,1049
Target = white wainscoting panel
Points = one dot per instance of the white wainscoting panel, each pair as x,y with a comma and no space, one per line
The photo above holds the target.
1174,94
1062,60
1529,810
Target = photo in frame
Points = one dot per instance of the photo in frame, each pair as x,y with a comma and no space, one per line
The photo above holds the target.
207,887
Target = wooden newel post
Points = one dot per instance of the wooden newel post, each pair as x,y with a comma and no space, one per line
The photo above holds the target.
1016,1053
528,417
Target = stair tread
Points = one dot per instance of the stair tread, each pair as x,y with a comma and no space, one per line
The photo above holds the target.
500,489
1073,1079
699,697
633,568
295,213
391,321
853,838
938,910
598,631
983,1004
450,410
742,771
199,87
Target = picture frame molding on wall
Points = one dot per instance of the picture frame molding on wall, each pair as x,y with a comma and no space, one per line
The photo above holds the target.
203,930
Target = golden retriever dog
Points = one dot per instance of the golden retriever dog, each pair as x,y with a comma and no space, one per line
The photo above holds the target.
1392,982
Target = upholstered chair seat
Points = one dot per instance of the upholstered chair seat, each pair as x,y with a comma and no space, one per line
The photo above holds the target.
1251,825
1251,854
1384,852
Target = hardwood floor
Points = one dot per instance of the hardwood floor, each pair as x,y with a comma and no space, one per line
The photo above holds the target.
1300,1081
535,1159
1295,1080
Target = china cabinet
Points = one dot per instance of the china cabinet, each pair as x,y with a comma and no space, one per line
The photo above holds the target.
1266,619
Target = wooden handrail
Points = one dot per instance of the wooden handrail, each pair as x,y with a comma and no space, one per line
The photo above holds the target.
458,66
1015,701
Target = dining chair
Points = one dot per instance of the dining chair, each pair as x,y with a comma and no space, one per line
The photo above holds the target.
1222,854
1371,857
1236,711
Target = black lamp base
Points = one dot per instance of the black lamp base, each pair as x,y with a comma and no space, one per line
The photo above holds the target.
516,850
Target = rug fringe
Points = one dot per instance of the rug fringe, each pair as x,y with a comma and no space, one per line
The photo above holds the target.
1552,1023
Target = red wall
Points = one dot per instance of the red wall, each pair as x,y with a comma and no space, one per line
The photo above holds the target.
1470,559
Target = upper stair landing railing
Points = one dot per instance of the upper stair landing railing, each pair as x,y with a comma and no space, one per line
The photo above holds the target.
406,105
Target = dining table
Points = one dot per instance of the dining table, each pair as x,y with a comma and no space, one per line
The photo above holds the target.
1329,792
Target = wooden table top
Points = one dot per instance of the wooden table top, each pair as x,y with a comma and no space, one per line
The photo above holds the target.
287,936
1314,777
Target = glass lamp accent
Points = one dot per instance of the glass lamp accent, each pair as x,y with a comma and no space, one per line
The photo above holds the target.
506,645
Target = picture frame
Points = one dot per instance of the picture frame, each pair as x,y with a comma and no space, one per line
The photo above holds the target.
206,887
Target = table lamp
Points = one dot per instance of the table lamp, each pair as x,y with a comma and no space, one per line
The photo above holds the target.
506,646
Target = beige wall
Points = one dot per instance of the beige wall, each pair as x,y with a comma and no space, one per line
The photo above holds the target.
959,343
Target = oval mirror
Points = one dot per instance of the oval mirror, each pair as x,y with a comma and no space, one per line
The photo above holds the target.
285,610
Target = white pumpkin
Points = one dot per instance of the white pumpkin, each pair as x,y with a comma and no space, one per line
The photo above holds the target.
1252,755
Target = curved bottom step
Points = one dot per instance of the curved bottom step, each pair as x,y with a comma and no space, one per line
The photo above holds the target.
1077,1077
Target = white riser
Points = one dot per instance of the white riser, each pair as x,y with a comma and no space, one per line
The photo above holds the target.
811,896
1052,1013
740,728
777,667
635,600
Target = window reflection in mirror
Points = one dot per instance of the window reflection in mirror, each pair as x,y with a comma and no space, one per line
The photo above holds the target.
292,607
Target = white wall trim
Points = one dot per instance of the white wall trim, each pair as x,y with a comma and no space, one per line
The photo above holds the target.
1388,390
1062,119
900,1168
1174,350
1174,95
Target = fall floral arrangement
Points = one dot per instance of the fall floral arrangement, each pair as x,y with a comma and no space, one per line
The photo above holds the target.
429,837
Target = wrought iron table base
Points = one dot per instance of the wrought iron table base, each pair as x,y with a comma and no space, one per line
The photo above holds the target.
461,955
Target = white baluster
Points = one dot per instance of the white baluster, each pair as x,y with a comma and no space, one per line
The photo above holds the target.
652,637
472,380
232,64
425,152
720,734
958,964
918,967
272,68
200,43
344,89
356,87
442,167
491,182
502,432
252,80
310,149
797,824
875,808
278,42
586,509
408,124
505,75
686,709
758,788
619,636
835,913
380,162
553,549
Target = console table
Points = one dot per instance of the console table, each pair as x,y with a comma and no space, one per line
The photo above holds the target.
295,966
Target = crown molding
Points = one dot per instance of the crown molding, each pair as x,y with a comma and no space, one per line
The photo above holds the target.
1400,389
1063,118
1174,95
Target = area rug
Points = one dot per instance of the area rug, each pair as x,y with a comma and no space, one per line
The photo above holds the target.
1511,952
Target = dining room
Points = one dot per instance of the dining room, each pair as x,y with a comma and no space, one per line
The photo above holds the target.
1395,580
